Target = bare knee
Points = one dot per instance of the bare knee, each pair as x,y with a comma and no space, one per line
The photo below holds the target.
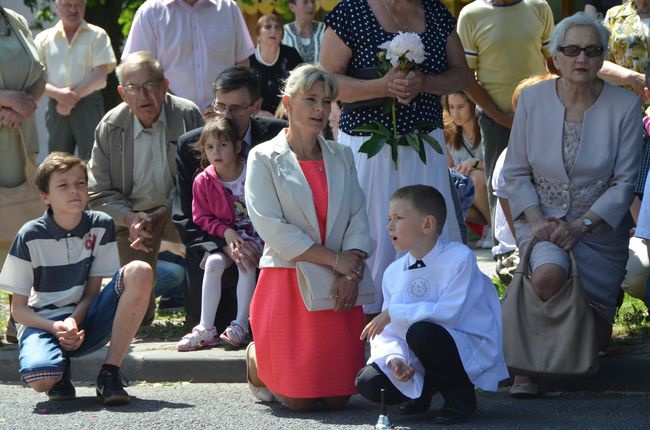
548,280
299,405
138,274
42,385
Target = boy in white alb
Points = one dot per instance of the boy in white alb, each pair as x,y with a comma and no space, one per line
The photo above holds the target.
440,328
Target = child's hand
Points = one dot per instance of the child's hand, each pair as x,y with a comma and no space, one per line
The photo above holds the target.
68,334
233,238
376,326
401,369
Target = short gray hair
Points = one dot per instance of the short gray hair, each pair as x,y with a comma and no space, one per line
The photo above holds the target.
578,19
139,58
303,77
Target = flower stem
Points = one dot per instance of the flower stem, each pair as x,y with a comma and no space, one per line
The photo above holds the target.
394,112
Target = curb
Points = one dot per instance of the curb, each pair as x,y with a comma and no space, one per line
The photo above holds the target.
152,362
624,369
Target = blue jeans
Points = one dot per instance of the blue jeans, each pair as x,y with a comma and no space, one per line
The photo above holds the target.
170,276
41,356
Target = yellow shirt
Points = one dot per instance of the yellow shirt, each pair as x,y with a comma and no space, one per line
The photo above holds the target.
505,44
69,63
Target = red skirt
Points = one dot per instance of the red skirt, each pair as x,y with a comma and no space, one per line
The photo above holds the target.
303,354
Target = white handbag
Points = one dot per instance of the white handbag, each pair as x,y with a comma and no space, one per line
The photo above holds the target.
315,282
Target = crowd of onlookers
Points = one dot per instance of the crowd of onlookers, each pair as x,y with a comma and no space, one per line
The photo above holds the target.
228,162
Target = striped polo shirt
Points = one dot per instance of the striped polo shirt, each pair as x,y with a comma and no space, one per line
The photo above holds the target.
50,265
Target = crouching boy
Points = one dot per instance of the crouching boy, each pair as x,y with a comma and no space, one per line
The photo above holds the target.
440,328
54,271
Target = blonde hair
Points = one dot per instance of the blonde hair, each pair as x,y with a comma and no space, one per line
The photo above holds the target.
266,18
529,82
303,77
218,127
139,58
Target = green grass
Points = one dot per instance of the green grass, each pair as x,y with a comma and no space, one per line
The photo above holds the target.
4,311
167,327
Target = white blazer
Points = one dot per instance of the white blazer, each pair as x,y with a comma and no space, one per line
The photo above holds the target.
281,206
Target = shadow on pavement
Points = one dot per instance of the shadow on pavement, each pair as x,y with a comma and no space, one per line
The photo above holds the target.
89,404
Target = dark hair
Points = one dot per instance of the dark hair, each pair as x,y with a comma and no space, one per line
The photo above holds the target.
56,162
218,127
647,74
235,78
453,132
426,200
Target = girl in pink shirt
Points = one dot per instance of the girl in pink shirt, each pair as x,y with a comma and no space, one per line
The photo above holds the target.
218,207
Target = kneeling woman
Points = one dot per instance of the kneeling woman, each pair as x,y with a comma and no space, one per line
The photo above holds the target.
304,200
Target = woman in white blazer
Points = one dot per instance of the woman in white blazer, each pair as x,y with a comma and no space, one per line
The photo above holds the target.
304,200
570,173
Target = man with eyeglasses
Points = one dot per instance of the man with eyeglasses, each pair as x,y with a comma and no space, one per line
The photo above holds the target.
237,96
505,41
131,173
78,56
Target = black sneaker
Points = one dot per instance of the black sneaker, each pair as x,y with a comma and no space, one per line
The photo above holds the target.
63,390
110,388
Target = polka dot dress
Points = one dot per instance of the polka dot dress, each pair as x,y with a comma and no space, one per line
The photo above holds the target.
354,22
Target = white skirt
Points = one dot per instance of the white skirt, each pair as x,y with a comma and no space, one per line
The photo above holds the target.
379,180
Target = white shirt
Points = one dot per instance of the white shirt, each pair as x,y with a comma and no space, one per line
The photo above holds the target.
193,43
152,180
502,231
449,291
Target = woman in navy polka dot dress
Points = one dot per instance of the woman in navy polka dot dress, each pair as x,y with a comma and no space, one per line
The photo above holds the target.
355,29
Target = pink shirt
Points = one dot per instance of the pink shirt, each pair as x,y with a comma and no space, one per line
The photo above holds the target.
193,43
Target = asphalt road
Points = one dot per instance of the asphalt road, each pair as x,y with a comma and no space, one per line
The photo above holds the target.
230,406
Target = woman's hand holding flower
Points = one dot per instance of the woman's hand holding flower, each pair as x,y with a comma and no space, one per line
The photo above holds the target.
406,88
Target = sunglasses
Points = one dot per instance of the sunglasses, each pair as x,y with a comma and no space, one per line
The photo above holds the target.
574,50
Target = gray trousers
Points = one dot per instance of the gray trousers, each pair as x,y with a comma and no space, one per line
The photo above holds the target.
495,140
76,129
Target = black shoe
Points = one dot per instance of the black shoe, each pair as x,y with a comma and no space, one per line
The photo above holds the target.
110,388
416,406
456,411
63,390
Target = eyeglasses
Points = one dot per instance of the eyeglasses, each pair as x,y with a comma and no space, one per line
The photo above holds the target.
222,108
575,50
147,87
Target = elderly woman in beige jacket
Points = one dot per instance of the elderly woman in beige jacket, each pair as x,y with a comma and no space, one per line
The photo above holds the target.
570,173
305,202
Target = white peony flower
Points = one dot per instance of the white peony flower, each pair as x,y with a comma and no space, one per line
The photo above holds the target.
407,45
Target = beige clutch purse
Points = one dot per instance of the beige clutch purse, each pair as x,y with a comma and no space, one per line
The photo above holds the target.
315,282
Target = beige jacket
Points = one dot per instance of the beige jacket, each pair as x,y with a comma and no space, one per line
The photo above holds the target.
110,169
604,174
280,202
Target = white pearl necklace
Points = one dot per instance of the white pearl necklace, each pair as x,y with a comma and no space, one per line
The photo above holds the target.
258,56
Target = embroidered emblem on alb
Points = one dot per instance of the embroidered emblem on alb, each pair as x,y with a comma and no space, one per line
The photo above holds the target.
419,289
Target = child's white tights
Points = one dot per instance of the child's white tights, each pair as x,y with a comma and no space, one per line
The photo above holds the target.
215,265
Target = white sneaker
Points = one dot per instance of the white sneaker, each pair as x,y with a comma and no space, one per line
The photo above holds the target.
199,338
485,242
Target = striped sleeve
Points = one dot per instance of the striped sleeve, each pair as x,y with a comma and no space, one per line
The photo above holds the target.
17,276
106,260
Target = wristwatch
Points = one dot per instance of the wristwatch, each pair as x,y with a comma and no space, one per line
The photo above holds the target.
587,224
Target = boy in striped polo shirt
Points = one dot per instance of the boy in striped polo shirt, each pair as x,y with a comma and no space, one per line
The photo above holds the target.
54,271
